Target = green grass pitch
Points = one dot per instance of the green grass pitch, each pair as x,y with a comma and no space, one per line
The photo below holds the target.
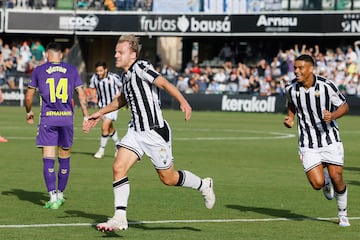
262,192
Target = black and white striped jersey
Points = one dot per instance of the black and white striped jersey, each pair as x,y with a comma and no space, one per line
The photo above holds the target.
106,88
143,96
310,103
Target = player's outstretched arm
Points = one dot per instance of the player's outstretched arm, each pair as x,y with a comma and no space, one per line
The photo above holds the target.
94,118
185,107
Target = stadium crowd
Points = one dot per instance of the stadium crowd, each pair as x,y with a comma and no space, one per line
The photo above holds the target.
109,5
17,60
269,76
260,76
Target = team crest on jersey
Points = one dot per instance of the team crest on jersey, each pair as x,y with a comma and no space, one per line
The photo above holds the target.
317,93
297,94
146,69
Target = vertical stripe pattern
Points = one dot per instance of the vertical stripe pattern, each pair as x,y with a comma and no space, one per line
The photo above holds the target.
143,96
310,103
106,88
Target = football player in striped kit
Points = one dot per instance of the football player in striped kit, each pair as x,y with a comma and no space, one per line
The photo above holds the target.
108,86
148,131
317,103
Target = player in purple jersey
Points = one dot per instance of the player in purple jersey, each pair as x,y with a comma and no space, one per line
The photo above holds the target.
56,82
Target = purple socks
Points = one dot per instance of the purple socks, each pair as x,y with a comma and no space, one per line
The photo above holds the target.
63,173
50,176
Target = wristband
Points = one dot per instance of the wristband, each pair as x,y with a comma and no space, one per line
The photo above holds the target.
29,113
86,118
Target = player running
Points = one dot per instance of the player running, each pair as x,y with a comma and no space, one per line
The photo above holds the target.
148,132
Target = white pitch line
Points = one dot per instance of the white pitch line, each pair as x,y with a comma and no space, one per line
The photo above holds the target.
174,221
273,135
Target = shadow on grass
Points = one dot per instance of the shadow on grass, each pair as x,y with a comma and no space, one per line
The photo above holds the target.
352,182
90,154
279,213
96,218
356,169
37,198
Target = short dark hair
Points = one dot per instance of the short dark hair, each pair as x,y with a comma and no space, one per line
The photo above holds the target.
100,64
54,46
306,58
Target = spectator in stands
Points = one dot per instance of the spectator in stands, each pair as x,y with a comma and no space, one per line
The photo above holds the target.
37,51
261,68
193,85
350,55
228,66
195,68
271,88
169,72
244,85
25,51
342,87
10,64
37,4
243,80
202,82
220,76
209,73
254,85
21,66
6,51
182,84
143,5
351,85
280,88
213,87
2,71
21,3
120,5
11,4
130,5
109,5
275,68
284,66
233,84
81,4
51,4
340,55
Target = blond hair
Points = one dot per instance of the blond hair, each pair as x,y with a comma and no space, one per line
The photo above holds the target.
133,42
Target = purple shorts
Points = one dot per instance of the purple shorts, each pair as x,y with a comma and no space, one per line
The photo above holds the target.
61,136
